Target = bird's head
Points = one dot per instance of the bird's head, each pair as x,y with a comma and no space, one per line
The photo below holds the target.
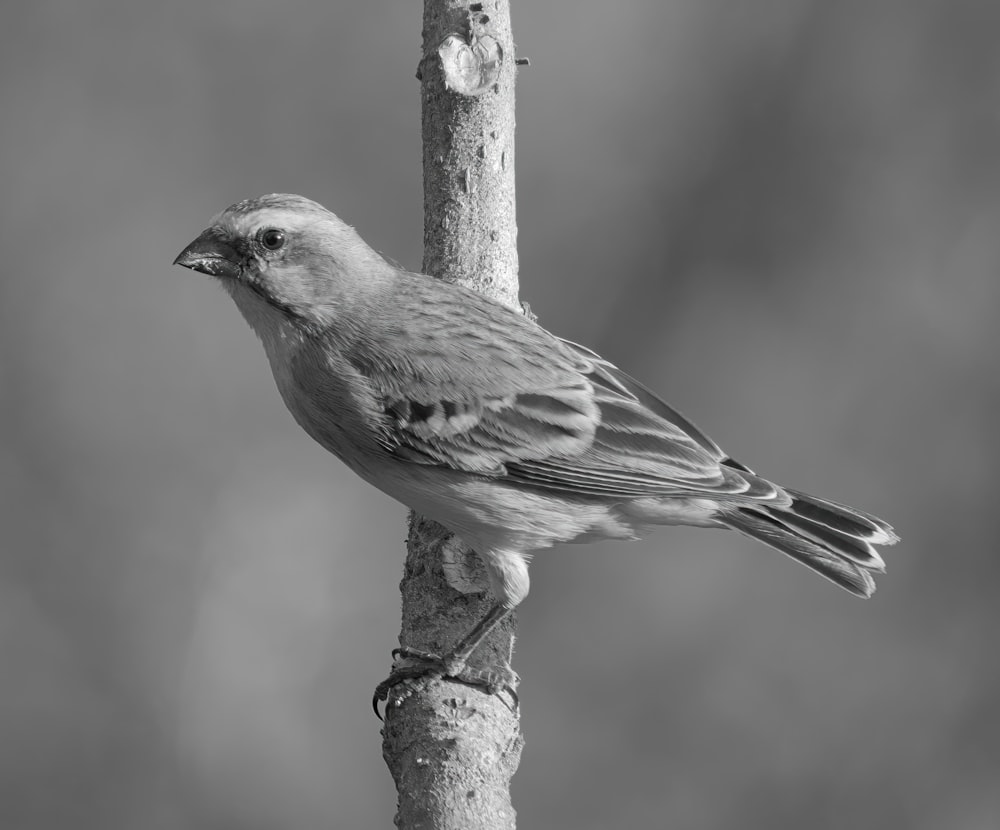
284,255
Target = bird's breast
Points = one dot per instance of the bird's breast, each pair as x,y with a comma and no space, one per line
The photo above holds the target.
330,401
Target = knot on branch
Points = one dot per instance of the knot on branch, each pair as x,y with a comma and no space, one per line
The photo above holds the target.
463,569
470,67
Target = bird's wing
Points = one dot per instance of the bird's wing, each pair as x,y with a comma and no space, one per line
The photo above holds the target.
530,409
641,447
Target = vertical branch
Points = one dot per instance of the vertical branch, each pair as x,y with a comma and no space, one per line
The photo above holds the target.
467,95
453,749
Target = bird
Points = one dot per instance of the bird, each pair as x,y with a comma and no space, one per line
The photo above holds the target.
474,415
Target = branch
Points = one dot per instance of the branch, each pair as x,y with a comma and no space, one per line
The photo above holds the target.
451,748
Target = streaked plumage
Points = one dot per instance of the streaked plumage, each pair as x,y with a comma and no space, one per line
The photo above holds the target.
476,416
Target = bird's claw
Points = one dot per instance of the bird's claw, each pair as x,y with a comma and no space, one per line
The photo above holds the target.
413,670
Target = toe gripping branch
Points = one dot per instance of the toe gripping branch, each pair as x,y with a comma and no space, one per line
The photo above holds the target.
413,669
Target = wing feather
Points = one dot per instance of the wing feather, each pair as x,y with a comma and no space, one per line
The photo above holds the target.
581,426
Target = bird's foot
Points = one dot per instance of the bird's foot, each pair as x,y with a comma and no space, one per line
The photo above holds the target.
413,670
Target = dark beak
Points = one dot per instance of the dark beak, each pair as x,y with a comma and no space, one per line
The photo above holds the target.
210,255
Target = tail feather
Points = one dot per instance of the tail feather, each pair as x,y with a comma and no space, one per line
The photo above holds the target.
855,548
843,518
832,539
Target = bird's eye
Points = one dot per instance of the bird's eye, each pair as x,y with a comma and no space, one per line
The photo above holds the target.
272,238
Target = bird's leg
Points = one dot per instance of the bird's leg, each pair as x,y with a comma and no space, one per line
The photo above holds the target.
412,664
454,663
508,574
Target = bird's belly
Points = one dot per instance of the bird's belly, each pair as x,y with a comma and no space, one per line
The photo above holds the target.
493,515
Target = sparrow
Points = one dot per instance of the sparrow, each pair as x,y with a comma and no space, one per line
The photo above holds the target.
472,414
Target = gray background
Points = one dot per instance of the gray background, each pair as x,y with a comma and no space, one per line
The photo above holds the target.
782,214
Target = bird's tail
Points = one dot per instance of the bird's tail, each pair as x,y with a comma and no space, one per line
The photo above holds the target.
834,540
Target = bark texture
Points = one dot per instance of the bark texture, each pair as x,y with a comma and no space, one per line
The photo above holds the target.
451,748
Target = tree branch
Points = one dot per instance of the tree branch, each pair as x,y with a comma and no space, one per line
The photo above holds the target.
451,748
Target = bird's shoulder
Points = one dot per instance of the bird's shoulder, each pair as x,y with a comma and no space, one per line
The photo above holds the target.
433,338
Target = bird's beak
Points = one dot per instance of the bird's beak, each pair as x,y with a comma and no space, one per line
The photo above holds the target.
210,255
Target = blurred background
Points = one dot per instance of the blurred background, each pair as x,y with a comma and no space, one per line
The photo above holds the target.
784,216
